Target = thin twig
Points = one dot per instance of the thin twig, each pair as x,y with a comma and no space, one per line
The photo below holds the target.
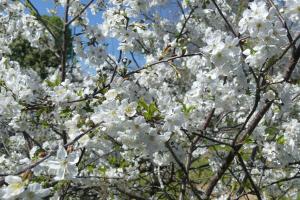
81,135
50,154
190,155
282,20
134,60
248,175
40,18
163,61
231,155
30,166
225,19
80,13
292,64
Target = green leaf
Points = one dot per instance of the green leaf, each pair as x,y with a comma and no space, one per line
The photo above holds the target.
90,168
150,112
53,84
280,140
187,109
102,170
142,103
248,140
271,132
45,124
187,2
66,113
112,160
152,108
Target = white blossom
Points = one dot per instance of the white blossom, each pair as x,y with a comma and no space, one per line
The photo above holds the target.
64,165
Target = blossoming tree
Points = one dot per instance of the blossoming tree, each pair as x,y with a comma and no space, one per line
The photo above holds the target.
213,113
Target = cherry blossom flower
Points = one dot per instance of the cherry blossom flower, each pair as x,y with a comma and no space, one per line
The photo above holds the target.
16,186
64,165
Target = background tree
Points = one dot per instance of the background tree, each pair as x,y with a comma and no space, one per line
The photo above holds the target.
42,60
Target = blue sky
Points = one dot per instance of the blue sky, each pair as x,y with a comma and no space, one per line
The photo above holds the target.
44,5
165,11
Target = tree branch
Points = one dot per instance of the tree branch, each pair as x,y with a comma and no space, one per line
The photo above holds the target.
230,157
164,61
65,42
292,64
39,18
248,175
282,20
80,13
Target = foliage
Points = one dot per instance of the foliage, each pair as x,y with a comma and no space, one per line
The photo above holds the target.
41,60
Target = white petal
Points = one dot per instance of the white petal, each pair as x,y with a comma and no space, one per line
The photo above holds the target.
61,153
60,174
73,158
53,164
34,187
72,170
13,179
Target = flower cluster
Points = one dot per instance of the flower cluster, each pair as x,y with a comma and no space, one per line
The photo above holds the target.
197,100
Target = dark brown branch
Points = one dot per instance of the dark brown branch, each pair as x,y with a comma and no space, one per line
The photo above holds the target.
28,141
230,157
190,154
143,46
114,72
225,19
51,153
130,194
180,164
133,72
248,175
30,166
164,61
81,135
65,42
292,64
202,135
283,23
80,13
182,167
134,60
120,56
81,156
181,9
64,137
256,101
296,176
185,23
283,53
32,139
252,159
39,18
289,46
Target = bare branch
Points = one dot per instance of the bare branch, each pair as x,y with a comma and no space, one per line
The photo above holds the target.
39,17
225,19
80,13
248,175
65,42
164,61
30,166
282,20
292,64
230,157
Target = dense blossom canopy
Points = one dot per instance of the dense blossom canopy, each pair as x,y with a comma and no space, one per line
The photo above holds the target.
201,102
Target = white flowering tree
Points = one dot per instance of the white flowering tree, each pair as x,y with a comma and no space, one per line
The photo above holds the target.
212,112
